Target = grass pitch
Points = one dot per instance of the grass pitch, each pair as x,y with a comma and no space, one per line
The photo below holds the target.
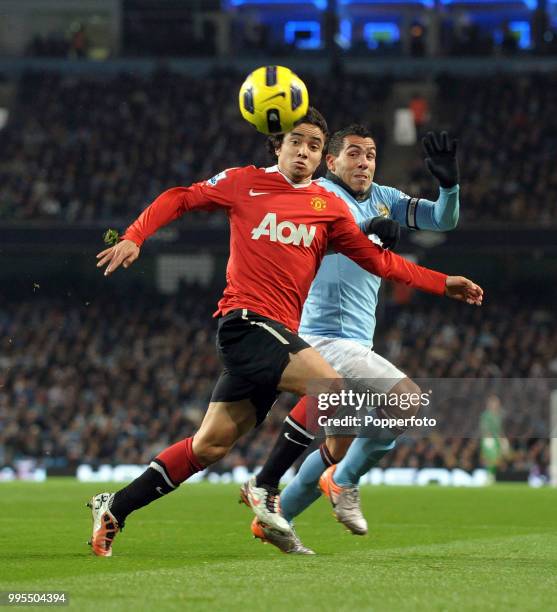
428,549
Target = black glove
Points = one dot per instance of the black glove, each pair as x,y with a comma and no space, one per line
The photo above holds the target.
441,158
387,230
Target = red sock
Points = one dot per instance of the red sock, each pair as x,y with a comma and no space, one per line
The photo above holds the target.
180,461
298,413
305,414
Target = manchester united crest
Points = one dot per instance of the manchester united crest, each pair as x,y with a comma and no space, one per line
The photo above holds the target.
318,203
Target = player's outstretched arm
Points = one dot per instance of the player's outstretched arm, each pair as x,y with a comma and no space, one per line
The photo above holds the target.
442,162
122,254
421,214
217,192
346,238
443,214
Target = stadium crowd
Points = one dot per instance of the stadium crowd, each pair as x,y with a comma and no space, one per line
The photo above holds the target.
118,378
103,148
507,128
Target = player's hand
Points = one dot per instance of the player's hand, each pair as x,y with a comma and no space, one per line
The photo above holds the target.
122,254
460,288
388,230
441,158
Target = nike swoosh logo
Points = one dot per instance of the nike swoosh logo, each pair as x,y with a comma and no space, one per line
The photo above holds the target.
256,193
159,490
281,94
287,436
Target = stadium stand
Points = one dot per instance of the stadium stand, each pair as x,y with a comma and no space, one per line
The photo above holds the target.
117,379
507,129
102,148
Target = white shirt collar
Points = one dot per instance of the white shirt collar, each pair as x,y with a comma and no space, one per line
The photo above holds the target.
275,168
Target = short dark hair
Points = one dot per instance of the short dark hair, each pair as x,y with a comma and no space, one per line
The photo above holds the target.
313,117
337,139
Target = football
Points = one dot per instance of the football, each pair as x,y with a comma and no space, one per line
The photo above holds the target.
272,99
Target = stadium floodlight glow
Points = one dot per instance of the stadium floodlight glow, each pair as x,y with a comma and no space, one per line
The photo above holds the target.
344,36
426,3
292,28
522,29
376,32
529,4
320,5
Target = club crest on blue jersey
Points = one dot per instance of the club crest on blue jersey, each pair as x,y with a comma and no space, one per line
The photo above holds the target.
383,210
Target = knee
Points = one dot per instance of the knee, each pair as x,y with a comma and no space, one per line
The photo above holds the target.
338,447
409,394
210,447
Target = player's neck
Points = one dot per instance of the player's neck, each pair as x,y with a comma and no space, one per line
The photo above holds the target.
359,196
292,181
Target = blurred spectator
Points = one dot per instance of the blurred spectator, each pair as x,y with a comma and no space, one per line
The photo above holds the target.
417,40
79,42
419,106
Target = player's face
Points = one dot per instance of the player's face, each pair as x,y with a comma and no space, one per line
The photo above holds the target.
355,164
300,152
493,403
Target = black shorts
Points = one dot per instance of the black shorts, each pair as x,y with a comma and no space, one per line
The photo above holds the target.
254,351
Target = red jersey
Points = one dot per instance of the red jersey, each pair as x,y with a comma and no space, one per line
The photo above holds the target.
279,233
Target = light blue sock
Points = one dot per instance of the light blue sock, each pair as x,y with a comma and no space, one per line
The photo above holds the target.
303,489
362,455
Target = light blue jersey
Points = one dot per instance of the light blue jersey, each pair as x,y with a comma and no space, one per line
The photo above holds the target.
343,297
